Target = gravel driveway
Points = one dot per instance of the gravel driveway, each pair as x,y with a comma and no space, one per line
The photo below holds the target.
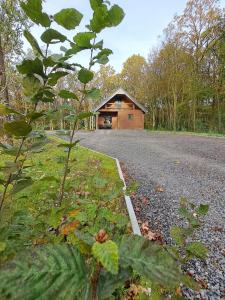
183,165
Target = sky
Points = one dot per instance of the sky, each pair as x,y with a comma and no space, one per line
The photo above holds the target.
138,33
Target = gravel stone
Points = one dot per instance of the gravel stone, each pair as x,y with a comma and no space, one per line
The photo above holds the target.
183,165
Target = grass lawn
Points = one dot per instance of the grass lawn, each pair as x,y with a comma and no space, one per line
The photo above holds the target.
93,201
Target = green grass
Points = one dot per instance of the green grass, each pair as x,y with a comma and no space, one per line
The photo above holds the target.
93,184
204,134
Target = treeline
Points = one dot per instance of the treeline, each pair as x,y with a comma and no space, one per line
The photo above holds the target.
181,83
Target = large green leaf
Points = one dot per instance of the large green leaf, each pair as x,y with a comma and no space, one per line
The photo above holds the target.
67,95
51,272
69,18
99,19
31,85
52,36
95,4
94,94
83,39
5,110
108,255
22,184
149,260
85,76
54,77
18,128
115,15
29,66
33,42
103,17
33,9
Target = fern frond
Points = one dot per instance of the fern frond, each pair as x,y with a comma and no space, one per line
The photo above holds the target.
53,272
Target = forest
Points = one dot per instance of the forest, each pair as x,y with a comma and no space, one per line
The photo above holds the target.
181,83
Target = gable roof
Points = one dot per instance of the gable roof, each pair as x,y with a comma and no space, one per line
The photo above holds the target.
121,91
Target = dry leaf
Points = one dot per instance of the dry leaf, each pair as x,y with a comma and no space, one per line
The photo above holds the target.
69,227
145,200
159,189
73,212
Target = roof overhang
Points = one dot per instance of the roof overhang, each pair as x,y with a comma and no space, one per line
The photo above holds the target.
121,91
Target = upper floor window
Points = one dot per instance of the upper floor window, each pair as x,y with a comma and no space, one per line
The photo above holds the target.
130,116
118,103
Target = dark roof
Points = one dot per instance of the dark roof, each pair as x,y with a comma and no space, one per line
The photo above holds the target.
121,91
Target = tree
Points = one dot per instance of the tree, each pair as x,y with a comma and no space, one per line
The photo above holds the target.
12,23
134,77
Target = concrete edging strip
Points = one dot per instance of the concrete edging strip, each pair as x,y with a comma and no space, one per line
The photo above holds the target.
130,209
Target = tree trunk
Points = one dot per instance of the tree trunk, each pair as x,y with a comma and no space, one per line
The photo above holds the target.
3,80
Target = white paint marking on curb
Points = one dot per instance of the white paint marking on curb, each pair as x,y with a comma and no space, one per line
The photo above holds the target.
130,208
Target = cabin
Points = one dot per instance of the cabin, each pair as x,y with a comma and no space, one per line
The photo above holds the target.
120,111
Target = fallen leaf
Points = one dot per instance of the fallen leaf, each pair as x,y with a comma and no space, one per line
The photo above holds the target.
179,292
159,189
73,212
145,200
69,227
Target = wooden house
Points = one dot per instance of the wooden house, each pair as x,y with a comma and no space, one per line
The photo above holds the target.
120,111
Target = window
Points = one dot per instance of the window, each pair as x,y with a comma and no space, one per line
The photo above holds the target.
130,117
118,103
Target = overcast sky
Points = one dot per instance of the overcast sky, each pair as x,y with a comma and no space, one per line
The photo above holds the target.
137,34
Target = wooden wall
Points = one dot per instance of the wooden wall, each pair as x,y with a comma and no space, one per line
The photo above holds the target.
120,115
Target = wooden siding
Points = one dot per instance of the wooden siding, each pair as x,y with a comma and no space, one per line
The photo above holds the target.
119,112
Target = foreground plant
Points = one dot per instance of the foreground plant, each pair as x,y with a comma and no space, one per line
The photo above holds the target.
42,73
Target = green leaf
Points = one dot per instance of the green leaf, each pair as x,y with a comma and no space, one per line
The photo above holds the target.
33,9
35,115
67,95
5,110
94,94
178,235
83,39
115,15
31,85
69,18
43,274
95,4
203,209
108,283
99,19
197,249
22,184
49,178
18,128
149,260
54,77
99,45
33,42
108,255
2,246
52,36
29,66
85,76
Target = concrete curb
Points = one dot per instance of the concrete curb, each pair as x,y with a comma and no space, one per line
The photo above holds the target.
130,209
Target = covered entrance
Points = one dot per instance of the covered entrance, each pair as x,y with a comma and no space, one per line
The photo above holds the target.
108,120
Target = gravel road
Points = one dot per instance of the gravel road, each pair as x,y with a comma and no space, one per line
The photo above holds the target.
182,165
